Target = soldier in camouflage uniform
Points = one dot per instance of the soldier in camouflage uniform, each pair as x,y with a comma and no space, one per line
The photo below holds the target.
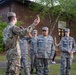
44,51
11,43
67,48
23,40
32,50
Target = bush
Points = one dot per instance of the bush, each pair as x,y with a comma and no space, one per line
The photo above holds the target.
2,26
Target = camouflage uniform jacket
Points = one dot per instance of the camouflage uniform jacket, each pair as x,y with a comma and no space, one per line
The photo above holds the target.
67,44
10,39
45,46
32,45
23,41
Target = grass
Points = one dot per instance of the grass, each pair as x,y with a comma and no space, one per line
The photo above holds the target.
54,70
2,71
2,58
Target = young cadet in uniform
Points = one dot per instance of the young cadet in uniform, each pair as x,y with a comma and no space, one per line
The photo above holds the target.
44,51
32,50
67,48
23,41
11,43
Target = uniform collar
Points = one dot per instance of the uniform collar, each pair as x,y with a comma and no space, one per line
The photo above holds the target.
10,23
46,36
34,37
67,37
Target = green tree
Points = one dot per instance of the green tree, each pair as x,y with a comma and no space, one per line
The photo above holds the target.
68,6
55,9
2,26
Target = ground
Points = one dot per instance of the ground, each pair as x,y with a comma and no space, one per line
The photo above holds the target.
54,68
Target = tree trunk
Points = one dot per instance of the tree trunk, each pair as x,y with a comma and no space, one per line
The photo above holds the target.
53,25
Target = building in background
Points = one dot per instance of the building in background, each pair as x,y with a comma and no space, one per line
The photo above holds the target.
26,15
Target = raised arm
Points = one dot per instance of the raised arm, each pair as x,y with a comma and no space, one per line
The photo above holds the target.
24,31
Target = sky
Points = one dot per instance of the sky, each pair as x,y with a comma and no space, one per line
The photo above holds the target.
55,3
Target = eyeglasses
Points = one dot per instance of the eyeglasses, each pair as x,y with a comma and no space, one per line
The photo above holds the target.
35,33
44,30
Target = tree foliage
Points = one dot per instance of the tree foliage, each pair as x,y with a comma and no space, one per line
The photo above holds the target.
47,8
55,6
68,6
55,9
2,26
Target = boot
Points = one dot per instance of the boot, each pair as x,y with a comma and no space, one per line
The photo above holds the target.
31,71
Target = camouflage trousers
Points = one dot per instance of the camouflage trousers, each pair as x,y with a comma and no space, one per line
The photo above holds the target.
65,66
25,64
13,62
33,62
13,67
42,66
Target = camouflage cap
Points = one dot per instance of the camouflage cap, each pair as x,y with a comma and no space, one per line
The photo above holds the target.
11,14
45,28
67,30
34,31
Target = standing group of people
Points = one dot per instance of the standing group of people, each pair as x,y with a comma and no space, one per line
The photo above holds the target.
42,48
